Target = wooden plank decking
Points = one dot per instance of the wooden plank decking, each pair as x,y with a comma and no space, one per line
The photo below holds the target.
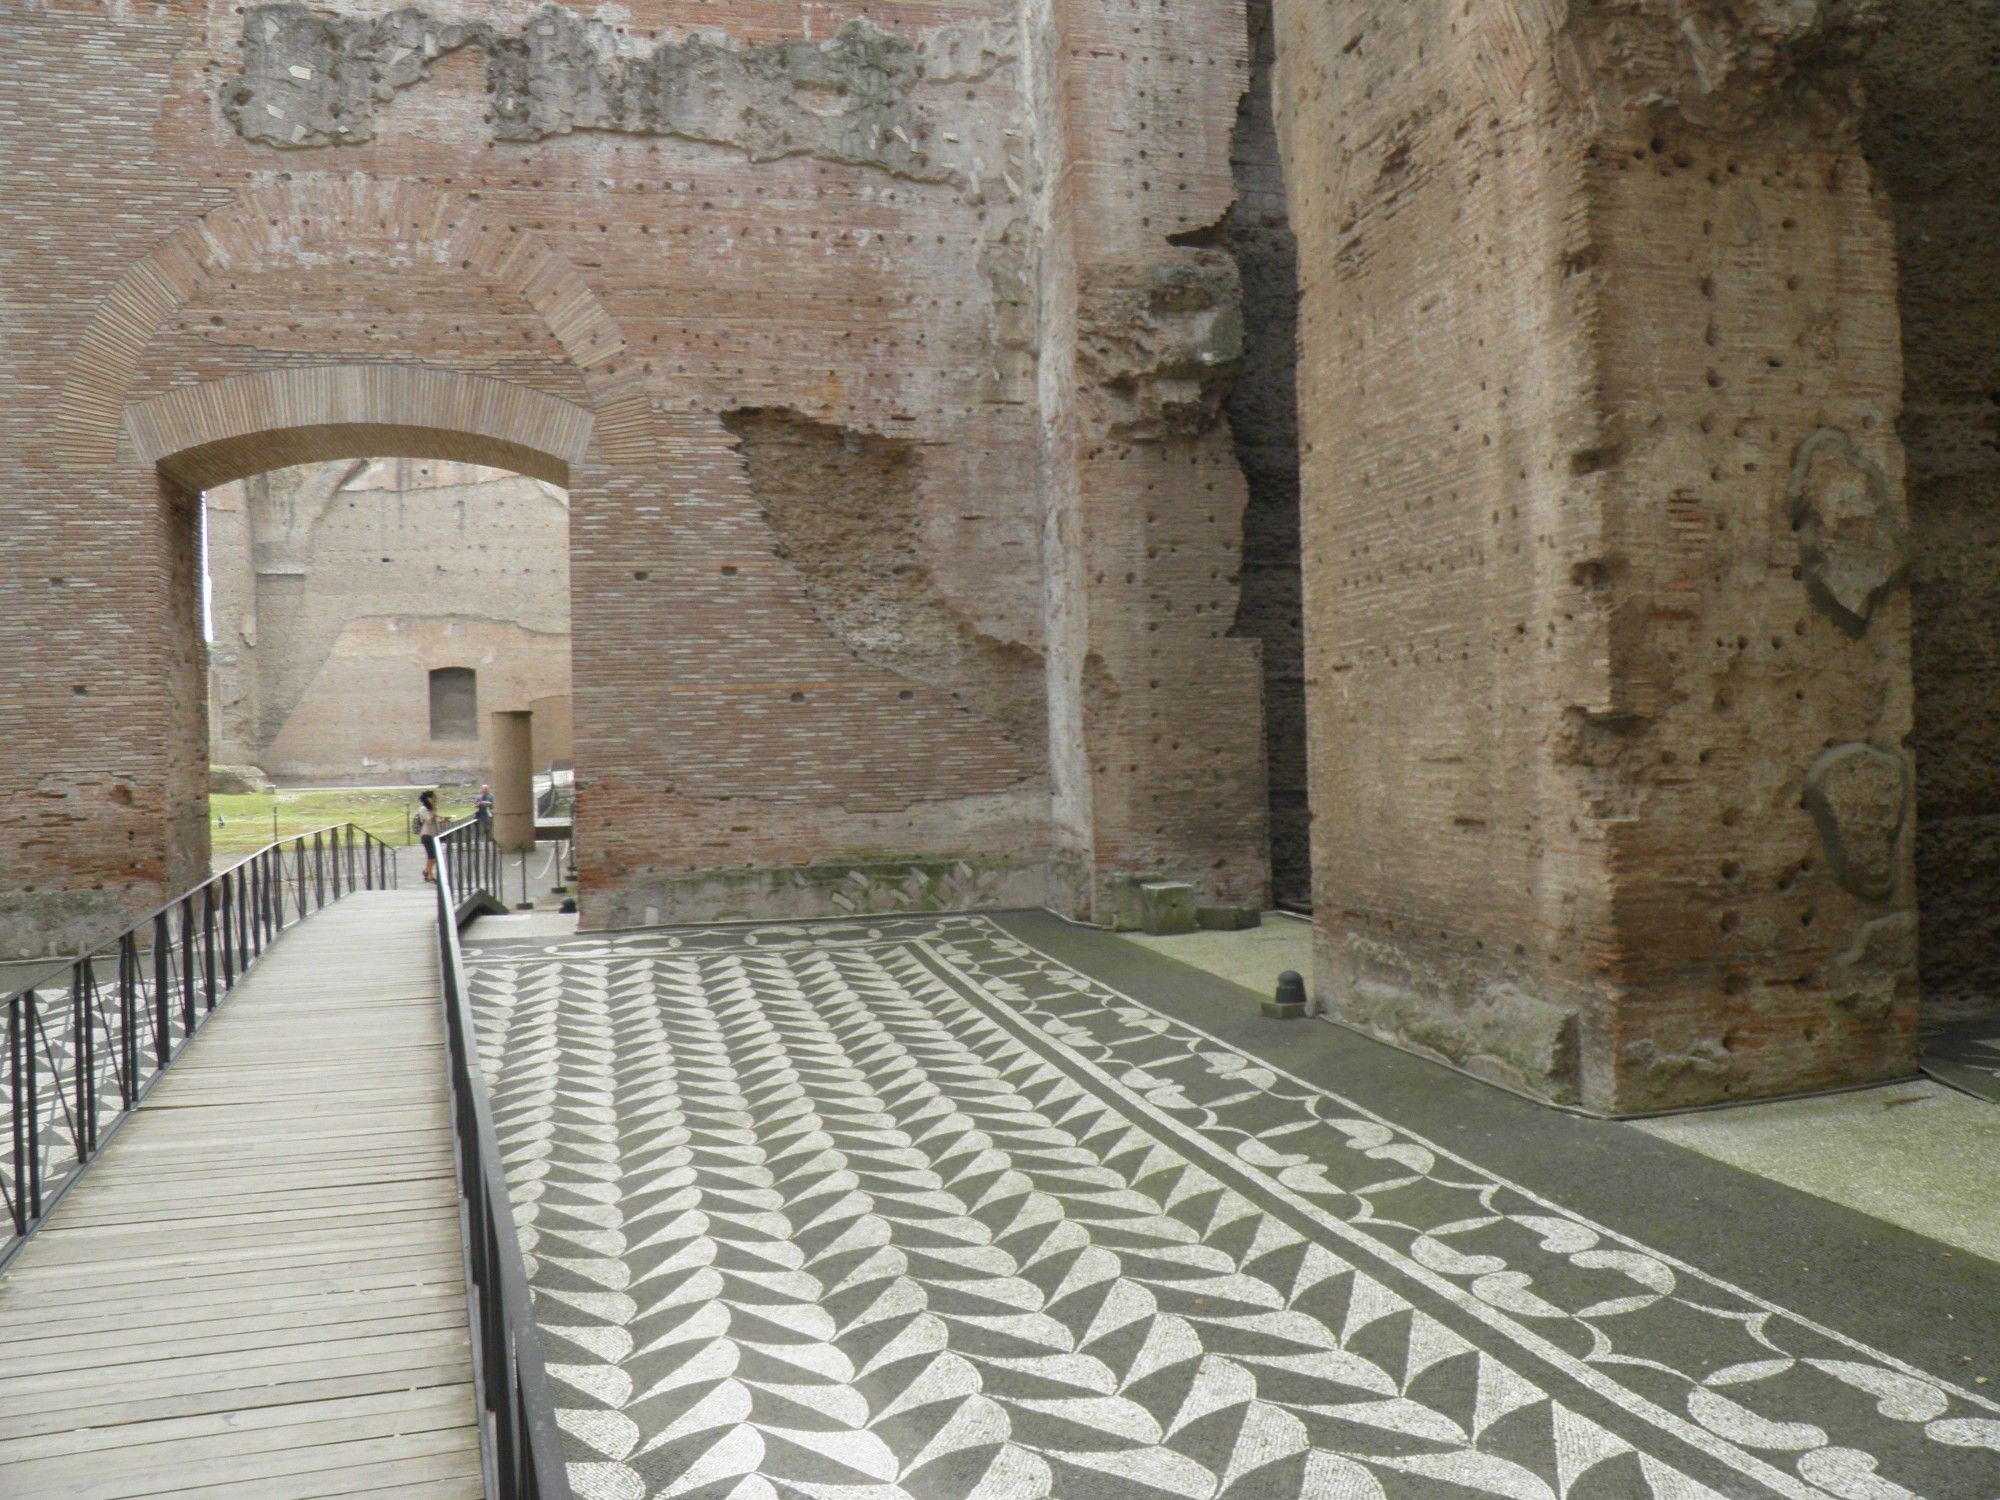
257,1290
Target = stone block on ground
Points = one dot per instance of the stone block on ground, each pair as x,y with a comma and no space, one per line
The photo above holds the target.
1227,918
232,781
1166,907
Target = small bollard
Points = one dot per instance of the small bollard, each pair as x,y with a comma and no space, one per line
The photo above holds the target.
1289,1004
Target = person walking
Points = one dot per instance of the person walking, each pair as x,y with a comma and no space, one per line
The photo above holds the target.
429,826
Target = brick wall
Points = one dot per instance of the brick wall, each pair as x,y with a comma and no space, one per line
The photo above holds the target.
234,257
340,587
1607,667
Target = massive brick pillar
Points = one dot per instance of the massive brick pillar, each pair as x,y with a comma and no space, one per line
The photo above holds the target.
1157,749
1607,662
102,705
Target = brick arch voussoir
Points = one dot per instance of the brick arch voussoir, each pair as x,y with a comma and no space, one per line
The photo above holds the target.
207,434
276,218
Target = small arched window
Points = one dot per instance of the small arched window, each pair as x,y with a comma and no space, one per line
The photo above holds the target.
454,704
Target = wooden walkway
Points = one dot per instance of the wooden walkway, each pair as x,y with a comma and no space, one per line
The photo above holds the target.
258,1290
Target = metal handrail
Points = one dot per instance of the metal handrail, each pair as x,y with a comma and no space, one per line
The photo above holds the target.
84,1048
520,1442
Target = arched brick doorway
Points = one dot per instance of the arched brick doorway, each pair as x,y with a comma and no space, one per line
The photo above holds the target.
116,811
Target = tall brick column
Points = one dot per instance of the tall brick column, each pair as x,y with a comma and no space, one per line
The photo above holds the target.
102,704
1607,659
1157,733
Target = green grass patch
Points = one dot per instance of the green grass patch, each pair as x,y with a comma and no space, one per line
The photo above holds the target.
248,820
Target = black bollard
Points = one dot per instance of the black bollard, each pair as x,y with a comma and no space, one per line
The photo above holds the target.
1289,1004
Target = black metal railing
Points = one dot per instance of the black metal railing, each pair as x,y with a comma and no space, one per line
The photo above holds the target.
88,1040
519,1439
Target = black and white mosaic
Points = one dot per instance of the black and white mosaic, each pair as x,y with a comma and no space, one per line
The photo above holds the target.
1965,1055
910,1209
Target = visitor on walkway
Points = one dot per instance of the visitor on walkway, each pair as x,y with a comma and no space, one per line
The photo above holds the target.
482,805
428,828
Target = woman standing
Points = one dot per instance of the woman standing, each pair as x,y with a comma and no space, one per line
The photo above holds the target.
429,826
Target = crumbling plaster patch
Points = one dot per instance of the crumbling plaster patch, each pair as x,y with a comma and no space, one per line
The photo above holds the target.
1859,797
1158,344
312,79
1718,64
1850,546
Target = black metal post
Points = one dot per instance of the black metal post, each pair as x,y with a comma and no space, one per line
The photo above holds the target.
226,926
163,1041
128,1020
243,917
17,1102
83,1057
187,966
208,944
30,1109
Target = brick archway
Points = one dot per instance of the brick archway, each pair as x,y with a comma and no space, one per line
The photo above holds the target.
203,435
284,219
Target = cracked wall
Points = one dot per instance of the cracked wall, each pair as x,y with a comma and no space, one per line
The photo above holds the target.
1160,748
1263,417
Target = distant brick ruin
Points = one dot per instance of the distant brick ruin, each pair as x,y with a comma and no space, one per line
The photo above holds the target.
369,614
1520,476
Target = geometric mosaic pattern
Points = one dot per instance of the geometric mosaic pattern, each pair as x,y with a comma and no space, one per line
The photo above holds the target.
907,1208
1966,1055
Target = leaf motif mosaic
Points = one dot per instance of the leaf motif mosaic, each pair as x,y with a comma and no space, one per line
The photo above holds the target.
908,1208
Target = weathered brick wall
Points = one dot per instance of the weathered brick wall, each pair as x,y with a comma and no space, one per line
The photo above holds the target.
1932,135
1607,668
338,588
666,235
1156,701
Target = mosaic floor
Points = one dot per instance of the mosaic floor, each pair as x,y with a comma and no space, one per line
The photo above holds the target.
1966,1056
911,1209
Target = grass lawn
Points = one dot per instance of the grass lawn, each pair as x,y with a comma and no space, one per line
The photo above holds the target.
383,811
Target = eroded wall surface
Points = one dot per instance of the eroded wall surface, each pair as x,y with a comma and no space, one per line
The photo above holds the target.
337,590
1933,137
1603,543
1154,705
689,250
